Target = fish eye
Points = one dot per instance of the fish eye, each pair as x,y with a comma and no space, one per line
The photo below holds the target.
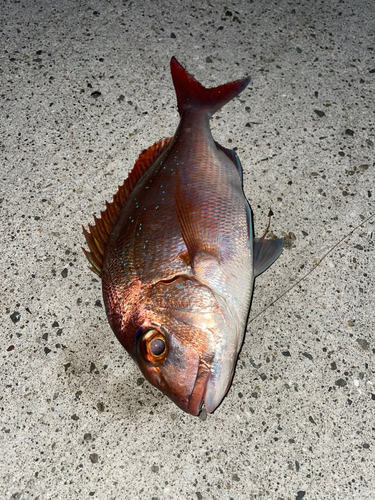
153,346
157,346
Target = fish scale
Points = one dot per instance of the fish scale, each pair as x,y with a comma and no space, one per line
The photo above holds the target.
177,257
150,256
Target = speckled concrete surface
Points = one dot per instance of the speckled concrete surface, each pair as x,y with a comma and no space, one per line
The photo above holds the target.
85,86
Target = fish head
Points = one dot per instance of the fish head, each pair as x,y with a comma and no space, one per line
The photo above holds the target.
186,343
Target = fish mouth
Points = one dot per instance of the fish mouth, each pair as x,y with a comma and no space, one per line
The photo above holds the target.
197,396
209,389
206,392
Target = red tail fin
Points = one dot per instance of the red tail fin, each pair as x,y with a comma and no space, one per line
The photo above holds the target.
191,94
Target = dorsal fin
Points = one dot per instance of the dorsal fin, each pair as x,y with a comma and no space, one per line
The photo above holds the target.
97,235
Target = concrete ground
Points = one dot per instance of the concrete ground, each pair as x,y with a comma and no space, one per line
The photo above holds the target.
85,86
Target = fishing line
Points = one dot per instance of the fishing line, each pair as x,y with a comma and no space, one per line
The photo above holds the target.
313,268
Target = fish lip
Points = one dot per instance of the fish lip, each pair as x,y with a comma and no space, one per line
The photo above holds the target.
213,397
204,393
196,398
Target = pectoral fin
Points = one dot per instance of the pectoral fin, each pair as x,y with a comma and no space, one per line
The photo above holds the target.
200,233
265,253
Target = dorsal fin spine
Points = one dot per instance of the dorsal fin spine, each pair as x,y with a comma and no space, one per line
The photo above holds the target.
98,238
97,235
112,210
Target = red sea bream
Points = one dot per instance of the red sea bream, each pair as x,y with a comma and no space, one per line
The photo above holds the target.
176,254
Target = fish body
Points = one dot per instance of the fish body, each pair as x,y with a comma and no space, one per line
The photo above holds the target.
177,257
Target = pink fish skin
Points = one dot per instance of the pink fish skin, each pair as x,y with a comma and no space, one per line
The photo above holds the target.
177,257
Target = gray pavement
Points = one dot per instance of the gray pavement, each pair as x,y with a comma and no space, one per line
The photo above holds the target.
85,86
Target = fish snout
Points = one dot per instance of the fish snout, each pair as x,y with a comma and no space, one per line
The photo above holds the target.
211,385
196,399
219,381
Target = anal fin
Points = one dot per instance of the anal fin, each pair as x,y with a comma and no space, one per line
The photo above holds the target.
232,155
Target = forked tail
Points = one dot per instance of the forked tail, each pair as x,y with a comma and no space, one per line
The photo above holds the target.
192,95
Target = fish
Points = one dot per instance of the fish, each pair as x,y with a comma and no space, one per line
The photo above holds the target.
177,257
